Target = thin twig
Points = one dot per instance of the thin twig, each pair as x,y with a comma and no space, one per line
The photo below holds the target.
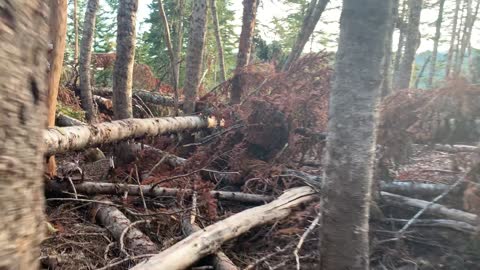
304,236
140,189
124,232
156,165
73,187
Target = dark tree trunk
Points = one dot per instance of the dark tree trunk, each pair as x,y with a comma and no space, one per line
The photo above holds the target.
196,44
465,38
75,29
178,27
85,60
23,66
352,134
218,37
451,49
387,65
314,11
422,71
123,69
245,46
401,25
402,80
459,41
436,41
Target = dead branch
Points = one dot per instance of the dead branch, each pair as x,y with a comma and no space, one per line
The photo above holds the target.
207,241
63,120
443,223
435,209
146,96
457,148
415,188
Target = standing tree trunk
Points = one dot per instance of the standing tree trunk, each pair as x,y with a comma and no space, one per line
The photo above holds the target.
75,27
218,37
23,63
85,60
57,35
178,28
465,38
436,41
196,44
403,78
451,49
171,53
352,134
123,69
387,64
314,11
245,46
459,41
401,25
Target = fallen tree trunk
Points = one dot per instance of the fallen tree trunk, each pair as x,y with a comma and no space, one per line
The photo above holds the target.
131,239
434,209
63,120
145,96
457,148
208,240
443,223
60,140
220,261
97,188
414,188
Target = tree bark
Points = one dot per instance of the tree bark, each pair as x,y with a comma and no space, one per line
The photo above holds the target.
179,43
57,34
146,96
85,60
75,29
208,241
244,47
401,25
196,44
422,71
60,140
313,14
436,41
23,65
123,68
352,134
218,38
67,121
469,23
454,34
171,53
403,78
387,65
459,40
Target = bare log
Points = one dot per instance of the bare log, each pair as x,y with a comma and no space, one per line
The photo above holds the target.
133,240
207,241
434,209
63,120
97,188
146,96
457,148
220,261
443,223
414,188
60,140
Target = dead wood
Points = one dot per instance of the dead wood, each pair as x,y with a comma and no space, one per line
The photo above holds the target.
63,120
60,140
131,239
457,148
97,188
146,96
442,223
415,188
220,261
434,209
207,241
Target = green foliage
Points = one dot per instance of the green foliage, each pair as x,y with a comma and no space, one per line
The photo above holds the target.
67,110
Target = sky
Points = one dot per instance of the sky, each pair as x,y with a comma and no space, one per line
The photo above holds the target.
269,9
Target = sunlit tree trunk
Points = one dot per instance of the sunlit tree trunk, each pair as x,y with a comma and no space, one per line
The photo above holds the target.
218,37
451,49
75,29
387,65
85,60
57,35
245,46
23,65
196,44
401,25
123,69
403,78
436,41
314,11
350,150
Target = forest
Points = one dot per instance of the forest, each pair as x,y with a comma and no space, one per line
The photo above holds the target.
228,134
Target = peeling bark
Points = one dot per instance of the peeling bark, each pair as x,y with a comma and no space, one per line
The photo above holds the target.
23,66
208,241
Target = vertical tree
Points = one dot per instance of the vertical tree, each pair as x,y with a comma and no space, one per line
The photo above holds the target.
123,69
459,39
75,29
196,44
436,41
402,79
58,36
171,53
387,65
218,38
401,25
352,134
85,60
451,49
23,62
245,46
467,33
314,11
178,27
